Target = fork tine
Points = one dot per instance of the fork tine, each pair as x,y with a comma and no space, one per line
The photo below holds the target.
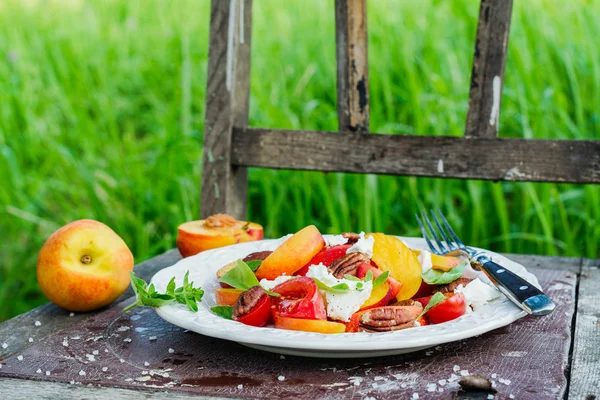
459,243
440,244
426,236
443,233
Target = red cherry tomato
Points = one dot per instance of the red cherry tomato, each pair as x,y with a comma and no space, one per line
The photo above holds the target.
326,256
300,298
453,307
259,315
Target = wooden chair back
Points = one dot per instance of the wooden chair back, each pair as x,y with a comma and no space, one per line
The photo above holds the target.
231,146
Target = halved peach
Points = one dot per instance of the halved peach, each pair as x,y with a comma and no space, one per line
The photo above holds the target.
308,325
293,254
226,296
216,231
380,296
365,267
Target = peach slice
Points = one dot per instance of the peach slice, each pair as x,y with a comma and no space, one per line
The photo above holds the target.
216,231
380,296
441,263
308,325
226,296
293,254
390,254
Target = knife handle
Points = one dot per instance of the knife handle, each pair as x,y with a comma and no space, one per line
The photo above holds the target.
521,292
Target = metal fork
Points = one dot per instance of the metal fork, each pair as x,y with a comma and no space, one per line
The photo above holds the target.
522,293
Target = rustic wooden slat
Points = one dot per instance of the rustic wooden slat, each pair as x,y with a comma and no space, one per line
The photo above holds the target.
436,156
352,65
487,76
224,187
585,371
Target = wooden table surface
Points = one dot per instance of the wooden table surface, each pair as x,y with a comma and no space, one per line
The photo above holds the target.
51,353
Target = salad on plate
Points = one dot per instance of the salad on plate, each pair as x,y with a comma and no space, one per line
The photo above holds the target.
348,283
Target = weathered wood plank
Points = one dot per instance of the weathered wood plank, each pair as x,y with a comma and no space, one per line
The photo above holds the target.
487,76
11,388
17,331
352,65
572,264
585,371
435,156
224,187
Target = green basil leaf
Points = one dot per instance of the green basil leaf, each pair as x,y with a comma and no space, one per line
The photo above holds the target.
171,287
223,311
185,279
191,303
154,302
254,264
369,276
271,293
434,301
359,286
435,277
351,277
339,288
380,279
240,276
138,284
151,289
161,296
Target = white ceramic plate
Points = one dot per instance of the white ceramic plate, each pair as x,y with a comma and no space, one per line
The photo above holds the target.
203,267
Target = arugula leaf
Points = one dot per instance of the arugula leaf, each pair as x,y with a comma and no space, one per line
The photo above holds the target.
148,296
223,311
435,277
240,277
254,264
434,301
380,279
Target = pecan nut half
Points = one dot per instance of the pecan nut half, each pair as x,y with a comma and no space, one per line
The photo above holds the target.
258,255
347,264
389,318
247,301
351,236
452,285
220,221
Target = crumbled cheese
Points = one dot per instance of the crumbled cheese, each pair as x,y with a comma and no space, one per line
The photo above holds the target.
335,240
65,342
456,368
269,285
37,323
341,305
240,386
281,378
415,396
478,293
464,372
417,323
364,245
432,387
425,261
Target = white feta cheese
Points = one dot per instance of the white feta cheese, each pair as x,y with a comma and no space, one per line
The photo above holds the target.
269,285
335,240
477,293
341,305
425,260
363,245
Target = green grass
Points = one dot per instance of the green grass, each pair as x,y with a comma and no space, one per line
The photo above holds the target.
102,106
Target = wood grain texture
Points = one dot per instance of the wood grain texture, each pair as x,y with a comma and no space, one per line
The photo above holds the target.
585,371
435,156
352,65
17,331
224,187
487,76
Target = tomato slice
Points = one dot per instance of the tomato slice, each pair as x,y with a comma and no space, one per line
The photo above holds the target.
259,315
300,298
453,307
326,256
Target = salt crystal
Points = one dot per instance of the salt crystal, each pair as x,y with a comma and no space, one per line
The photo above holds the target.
39,371
65,343
79,337
507,381
494,376
123,328
121,360
144,372
464,372
82,373
20,358
240,386
128,340
4,345
95,352
281,378
72,382
490,397
456,368
47,373
428,353
106,350
432,387
440,390
146,364
442,382
165,375
72,315
511,396
415,395
90,357
104,369
30,340
152,338
404,385
171,351
128,379
282,357
37,323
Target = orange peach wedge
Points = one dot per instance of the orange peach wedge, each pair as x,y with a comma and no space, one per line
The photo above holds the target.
226,296
441,263
215,231
308,325
380,296
293,254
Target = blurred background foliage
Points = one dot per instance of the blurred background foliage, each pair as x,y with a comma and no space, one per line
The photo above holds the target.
102,107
